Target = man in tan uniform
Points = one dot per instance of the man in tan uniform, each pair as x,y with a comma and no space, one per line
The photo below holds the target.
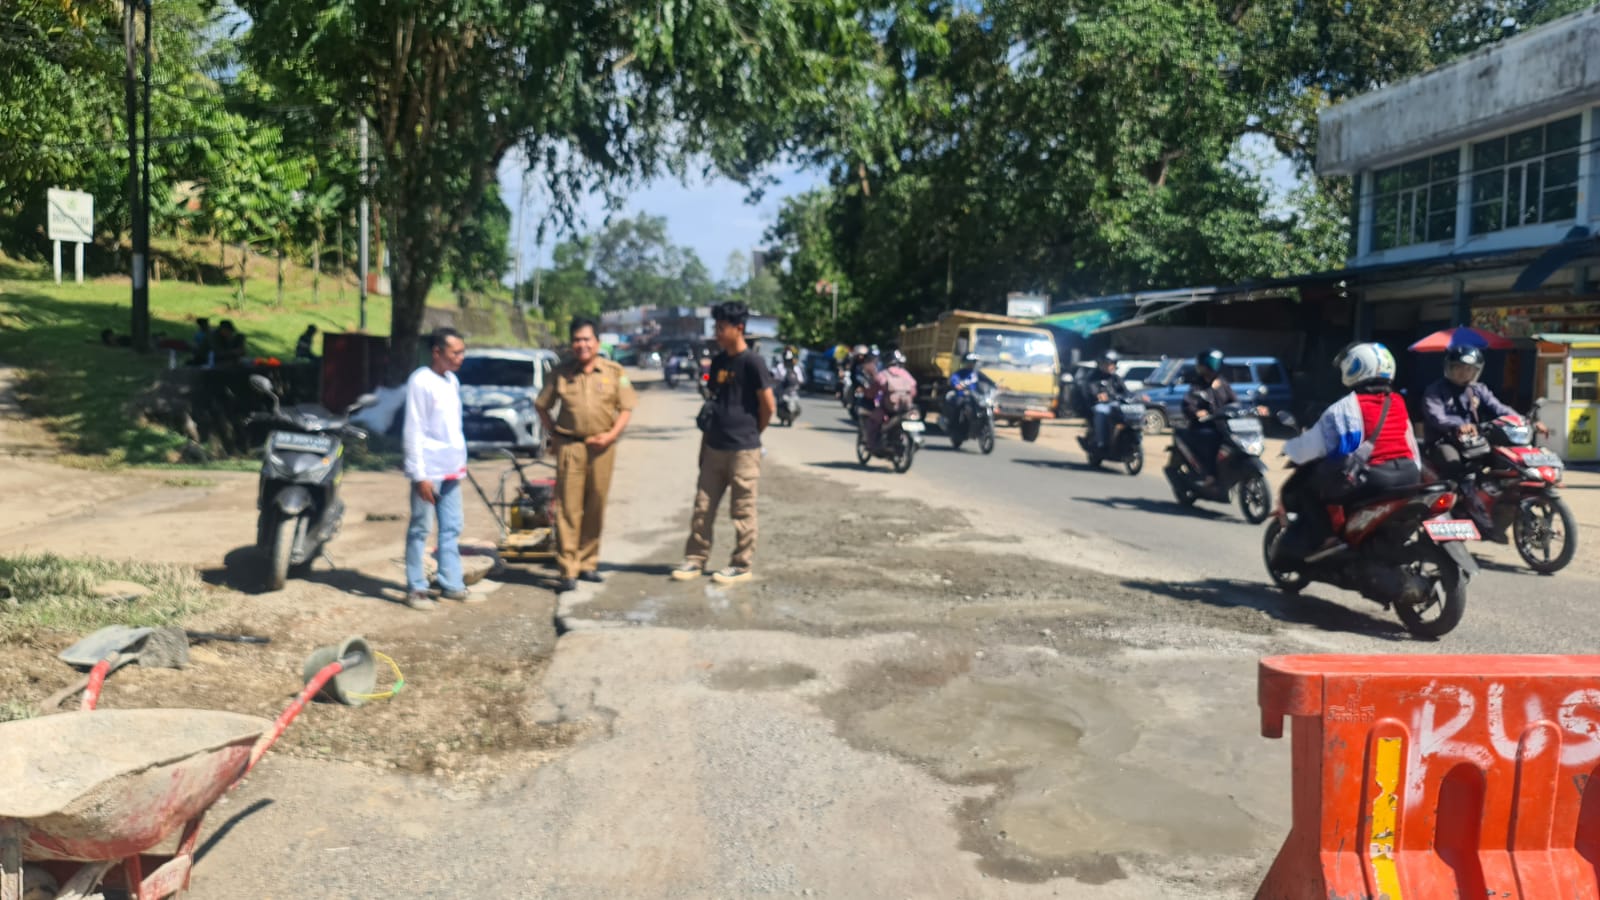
595,402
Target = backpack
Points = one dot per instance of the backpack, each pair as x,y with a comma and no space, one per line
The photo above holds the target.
1351,474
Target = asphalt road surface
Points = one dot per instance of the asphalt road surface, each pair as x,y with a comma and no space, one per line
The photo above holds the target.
1002,676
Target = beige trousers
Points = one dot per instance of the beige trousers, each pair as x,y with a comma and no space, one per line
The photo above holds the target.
719,471
583,480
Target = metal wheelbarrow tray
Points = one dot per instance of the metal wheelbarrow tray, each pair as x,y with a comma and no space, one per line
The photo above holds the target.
85,793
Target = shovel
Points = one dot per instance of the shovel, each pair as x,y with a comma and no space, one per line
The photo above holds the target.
113,647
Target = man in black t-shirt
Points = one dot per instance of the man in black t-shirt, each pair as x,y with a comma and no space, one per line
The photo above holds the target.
738,410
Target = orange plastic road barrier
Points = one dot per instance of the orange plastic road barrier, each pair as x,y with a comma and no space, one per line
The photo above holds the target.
1419,777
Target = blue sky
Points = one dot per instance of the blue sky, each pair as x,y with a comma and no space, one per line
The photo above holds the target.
709,216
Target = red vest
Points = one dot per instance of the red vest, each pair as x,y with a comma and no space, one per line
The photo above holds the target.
1391,443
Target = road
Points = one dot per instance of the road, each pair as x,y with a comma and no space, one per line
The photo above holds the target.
1511,609
1002,676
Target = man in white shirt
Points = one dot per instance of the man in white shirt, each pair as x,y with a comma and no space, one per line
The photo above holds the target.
436,461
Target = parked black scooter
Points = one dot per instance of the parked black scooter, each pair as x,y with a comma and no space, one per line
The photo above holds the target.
298,495
1127,437
1238,464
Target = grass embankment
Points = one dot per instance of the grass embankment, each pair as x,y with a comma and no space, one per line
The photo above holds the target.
81,388
46,593
45,599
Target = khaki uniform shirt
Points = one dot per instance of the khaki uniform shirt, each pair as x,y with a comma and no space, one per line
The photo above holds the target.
589,401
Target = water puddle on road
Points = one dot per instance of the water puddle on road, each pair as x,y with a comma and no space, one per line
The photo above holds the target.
745,675
1066,801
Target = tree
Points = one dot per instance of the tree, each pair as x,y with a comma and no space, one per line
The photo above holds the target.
477,257
1094,147
256,197
635,263
597,93
567,288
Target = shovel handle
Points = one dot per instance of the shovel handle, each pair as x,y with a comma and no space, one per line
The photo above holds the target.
97,680
53,702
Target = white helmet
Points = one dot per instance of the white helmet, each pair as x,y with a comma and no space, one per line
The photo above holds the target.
1361,363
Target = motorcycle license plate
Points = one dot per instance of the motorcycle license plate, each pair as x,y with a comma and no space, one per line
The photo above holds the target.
911,427
1442,530
1541,458
305,443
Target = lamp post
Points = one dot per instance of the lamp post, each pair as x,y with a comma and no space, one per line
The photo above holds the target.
830,288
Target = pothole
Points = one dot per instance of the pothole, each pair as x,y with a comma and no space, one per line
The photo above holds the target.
744,675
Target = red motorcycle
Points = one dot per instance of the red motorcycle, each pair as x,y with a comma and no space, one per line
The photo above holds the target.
1401,549
1519,484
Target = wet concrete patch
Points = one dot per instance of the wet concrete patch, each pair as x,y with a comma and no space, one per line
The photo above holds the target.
746,675
1069,796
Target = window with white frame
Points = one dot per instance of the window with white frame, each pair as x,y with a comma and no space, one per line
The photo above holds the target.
1526,178
1415,202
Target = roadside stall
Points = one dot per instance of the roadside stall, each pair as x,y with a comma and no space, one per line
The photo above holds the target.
1568,393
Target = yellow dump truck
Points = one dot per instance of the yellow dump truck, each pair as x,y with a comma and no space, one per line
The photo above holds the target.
1019,357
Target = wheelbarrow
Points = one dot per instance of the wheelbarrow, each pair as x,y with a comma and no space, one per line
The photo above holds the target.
92,797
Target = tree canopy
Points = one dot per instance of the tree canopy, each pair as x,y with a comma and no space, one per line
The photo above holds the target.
1099,146
597,94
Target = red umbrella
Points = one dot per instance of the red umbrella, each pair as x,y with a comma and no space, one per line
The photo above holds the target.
1463,336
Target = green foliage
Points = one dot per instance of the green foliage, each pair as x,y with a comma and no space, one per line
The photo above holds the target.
596,94
477,257
1096,147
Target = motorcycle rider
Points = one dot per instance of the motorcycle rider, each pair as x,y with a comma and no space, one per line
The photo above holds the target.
1106,387
789,374
1368,370
1208,394
962,381
892,393
1454,407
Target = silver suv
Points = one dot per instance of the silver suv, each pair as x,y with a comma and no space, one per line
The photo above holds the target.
498,387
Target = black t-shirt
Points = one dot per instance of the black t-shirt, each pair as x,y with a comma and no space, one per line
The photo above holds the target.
736,385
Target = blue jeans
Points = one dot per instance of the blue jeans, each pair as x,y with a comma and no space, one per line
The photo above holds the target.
448,494
1102,423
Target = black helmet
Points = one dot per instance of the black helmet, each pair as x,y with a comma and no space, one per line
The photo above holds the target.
1110,356
970,359
1463,365
1210,360
895,357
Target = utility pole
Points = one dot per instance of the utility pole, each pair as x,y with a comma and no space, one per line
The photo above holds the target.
522,215
538,269
139,327
361,255
143,343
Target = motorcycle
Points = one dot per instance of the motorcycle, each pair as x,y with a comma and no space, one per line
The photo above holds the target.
789,407
854,395
1239,465
971,415
300,510
1403,550
898,440
1127,437
1519,484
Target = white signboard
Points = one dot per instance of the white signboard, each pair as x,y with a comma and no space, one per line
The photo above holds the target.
1027,306
71,216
